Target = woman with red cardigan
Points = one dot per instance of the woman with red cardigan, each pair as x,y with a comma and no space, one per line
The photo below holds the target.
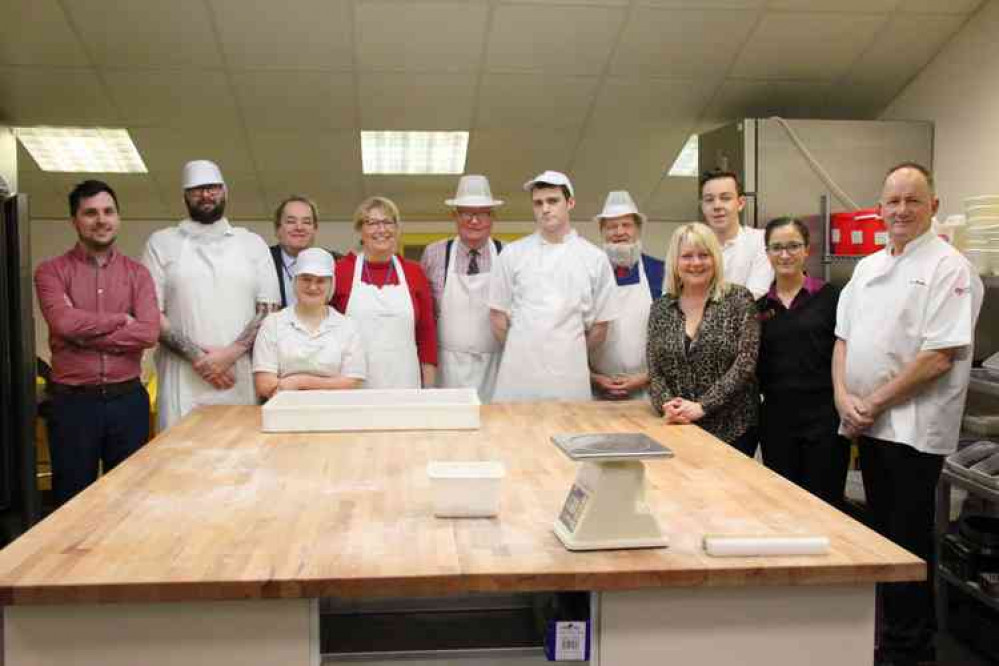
389,299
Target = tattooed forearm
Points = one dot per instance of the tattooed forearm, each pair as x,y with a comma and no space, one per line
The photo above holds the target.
177,342
249,334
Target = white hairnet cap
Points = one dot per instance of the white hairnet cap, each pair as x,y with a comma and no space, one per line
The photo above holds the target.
555,178
314,261
201,172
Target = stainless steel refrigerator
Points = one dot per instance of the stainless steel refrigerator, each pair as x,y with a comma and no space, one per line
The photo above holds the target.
19,501
771,157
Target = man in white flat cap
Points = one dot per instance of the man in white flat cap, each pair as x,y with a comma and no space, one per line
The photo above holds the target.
215,283
458,270
550,300
618,366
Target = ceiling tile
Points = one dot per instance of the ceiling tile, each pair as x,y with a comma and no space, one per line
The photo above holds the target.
632,103
420,36
171,98
595,3
895,57
414,101
137,33
335,194
703,4
306,151
940,6
551,39
814,46
165,150
534,100
37,33
760,99
54,96
862,6
681,43
296,99
317,35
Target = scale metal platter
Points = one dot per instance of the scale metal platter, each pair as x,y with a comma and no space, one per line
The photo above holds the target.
610,446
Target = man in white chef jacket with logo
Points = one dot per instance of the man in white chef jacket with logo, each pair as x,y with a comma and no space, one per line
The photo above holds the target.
215,283
618,366
744,252
458,270
551,301
905,332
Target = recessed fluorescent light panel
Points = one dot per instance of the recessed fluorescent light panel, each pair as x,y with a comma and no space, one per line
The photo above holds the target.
685,163
413,153
81,149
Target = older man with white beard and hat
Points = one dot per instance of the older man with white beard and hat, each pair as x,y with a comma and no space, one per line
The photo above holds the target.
618,366
458,270
215,283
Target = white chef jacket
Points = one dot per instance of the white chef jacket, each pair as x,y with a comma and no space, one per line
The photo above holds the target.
285,346
580,285
745,261
209,279
926,298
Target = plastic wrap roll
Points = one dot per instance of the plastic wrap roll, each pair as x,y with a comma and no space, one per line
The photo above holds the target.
749,546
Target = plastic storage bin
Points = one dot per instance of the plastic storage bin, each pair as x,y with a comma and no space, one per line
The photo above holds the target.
466,489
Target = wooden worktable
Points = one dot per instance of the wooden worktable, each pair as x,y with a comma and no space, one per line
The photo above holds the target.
213,509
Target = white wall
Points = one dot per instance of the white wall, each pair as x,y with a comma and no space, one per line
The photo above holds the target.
959,92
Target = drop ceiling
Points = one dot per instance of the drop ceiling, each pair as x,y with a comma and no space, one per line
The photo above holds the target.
276,92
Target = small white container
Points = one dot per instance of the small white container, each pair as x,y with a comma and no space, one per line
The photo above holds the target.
466,489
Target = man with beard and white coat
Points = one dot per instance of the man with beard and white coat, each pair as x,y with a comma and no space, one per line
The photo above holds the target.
618,366
458,270
215,283
550,300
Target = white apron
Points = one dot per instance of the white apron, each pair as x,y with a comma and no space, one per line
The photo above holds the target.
386,321
209,269
469,352
545,353
623,353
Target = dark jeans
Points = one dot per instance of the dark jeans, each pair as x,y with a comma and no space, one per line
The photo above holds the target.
900,484
86,430
799,442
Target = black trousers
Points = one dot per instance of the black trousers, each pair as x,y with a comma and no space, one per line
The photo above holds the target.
86,430
799,442
900,484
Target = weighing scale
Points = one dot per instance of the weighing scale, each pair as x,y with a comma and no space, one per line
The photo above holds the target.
606,508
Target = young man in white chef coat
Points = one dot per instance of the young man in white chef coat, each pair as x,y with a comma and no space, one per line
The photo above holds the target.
743,249
458,270
215,283
551,301
618,366
905,331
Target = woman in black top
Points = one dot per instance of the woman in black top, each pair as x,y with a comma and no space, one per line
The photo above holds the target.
798,420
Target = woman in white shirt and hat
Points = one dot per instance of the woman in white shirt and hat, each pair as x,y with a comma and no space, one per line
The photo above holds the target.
309,345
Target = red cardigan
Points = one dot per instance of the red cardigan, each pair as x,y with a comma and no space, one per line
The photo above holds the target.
419,290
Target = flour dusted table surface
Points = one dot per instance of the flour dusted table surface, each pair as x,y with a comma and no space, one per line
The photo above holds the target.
216,539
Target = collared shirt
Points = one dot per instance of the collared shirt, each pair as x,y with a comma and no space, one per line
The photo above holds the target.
86,306
745,261
810,287
285,346
433,258
926,298
655,272
287,277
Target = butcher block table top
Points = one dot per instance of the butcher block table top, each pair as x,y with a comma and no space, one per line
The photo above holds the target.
215,509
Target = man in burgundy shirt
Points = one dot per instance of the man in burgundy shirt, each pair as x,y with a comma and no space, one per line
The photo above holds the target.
101,310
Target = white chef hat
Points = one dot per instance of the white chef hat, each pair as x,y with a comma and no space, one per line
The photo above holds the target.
201,172
314,261
618,204
555,178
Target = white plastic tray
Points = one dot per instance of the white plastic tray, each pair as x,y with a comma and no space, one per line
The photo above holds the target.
372,409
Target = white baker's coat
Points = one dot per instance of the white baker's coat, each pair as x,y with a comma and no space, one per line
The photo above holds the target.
553,293
746,263
926,298
209,279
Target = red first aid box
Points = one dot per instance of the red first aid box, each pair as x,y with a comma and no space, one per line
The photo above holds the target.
858,232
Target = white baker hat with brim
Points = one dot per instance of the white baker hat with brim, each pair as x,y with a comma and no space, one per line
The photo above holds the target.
201,172
314,261
618,204
473,192
555,178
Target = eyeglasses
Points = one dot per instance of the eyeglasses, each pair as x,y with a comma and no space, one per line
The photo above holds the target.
384,224
482,215
793,247
213,189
